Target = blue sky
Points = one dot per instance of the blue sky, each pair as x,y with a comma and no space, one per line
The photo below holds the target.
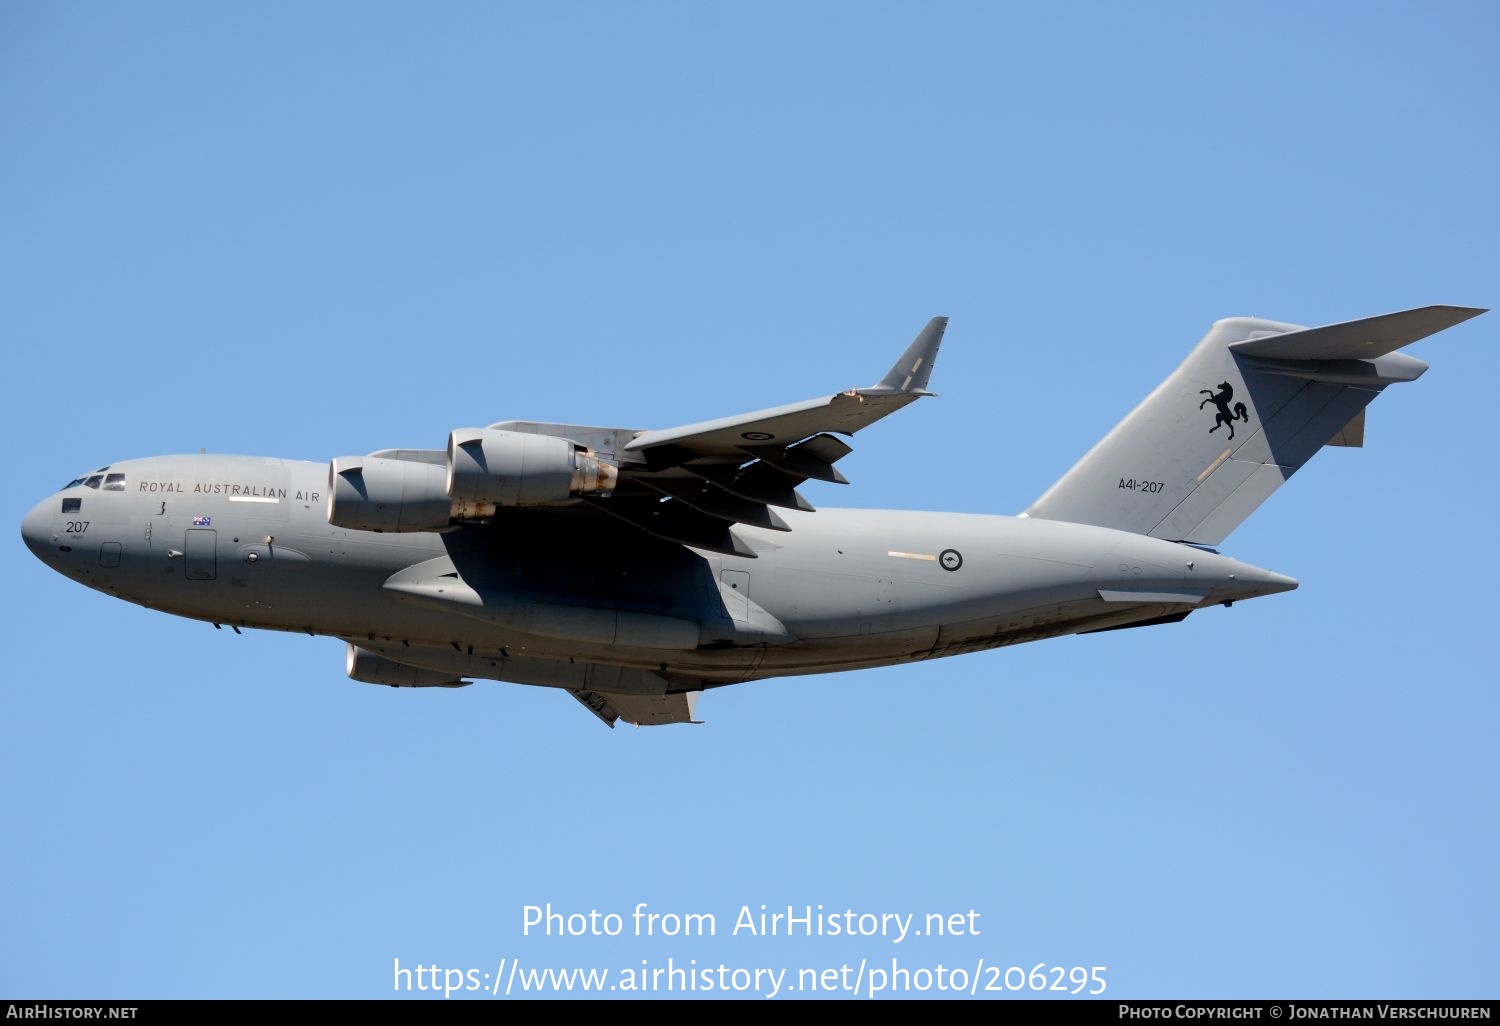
311,230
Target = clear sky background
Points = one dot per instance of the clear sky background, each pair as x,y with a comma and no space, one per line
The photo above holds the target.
309,230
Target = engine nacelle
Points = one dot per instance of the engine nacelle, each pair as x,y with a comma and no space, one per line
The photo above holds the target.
512,468
369,668
369,494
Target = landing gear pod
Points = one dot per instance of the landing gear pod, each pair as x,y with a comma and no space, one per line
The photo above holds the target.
369,668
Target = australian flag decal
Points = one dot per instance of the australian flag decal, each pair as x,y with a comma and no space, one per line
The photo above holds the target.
202,521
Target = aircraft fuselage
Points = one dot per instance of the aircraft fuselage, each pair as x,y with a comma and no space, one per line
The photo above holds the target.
245,541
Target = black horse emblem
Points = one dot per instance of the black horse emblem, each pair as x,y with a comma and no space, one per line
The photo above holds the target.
1220,399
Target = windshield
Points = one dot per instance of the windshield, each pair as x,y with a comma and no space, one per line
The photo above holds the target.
110,483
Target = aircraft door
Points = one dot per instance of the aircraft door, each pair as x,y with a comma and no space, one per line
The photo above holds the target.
736,592
199,551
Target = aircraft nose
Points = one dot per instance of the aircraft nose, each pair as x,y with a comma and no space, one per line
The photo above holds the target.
37,529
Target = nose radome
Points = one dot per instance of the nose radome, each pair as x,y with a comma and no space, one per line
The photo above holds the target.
37,529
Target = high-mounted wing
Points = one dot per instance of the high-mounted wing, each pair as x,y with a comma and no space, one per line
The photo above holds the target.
846,412
689,484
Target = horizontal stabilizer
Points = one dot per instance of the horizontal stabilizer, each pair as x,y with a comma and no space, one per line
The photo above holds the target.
1356,340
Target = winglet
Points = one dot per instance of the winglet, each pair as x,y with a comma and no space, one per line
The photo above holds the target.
910,373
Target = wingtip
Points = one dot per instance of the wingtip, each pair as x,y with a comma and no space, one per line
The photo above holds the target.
1465,311
1452,315
911,372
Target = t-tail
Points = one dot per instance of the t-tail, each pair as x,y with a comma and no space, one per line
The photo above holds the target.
1252,403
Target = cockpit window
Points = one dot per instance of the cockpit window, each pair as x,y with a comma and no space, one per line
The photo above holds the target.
93,481
114,483
71,484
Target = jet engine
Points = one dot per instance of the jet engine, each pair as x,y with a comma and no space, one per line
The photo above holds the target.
485,469
511,468
372,494
368,668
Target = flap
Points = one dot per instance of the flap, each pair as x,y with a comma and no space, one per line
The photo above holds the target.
692,484
641,710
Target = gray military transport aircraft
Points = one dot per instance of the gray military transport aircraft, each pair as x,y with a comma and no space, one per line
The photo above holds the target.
635,569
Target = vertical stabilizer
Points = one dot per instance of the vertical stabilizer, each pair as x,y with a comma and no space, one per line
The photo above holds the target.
1252,403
